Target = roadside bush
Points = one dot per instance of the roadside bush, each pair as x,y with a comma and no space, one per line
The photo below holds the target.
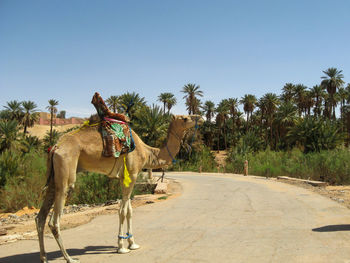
192,161
331,166
25,178
93,188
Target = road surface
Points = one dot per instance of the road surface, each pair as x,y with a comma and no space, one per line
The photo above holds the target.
217,218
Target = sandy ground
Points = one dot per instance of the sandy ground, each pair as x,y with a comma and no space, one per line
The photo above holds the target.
41,130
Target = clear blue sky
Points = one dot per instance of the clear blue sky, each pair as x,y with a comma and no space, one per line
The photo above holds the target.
67,50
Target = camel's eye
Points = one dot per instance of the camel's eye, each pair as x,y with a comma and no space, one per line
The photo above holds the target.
185,119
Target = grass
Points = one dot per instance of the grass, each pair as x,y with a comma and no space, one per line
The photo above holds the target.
331,166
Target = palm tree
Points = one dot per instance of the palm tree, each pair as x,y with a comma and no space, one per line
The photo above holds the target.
317,93
271,103
286,117
14,110
299,94
52,109
308,102
31,143
170,103
168,99
130,103
30,115
343,95
192,91
207,129
8,134
209,110
315,134
249,102
221,117
113,103
288,92
332,81
151,125
51,138
347,89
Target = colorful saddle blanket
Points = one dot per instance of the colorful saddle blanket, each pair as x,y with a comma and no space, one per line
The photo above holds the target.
117,138
116,133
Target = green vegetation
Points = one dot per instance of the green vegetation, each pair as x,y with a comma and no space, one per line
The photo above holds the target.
303,132
92,188
199,157
331,166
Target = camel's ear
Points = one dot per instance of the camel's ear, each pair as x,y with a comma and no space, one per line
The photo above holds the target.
173,117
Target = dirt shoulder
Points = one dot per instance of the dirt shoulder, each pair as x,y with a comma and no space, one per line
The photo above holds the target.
338,193
21,225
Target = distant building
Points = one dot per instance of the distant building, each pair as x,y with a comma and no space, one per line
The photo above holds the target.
45,117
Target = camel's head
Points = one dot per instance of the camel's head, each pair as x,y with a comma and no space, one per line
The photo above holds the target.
187,121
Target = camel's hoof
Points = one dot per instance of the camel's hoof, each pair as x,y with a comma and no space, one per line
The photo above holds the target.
44,260
123,250
71,260
134,246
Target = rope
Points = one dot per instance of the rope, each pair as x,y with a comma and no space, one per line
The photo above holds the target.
126,237
173,159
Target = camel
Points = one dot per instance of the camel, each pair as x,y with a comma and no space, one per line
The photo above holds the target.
82,151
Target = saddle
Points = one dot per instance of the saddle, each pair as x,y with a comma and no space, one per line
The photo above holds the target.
116,133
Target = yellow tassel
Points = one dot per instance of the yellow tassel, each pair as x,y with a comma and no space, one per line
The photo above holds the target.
127,179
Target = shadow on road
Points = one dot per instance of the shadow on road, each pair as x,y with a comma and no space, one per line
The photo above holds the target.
332,228
35,257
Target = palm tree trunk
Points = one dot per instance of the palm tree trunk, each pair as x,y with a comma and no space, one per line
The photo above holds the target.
225,136
219,140
51,123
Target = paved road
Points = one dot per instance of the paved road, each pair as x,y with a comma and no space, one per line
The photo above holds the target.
216,219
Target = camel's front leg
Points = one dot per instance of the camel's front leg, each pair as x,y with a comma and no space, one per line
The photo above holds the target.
123,210
132,244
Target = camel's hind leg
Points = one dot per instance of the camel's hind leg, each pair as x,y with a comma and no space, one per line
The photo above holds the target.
41,219
54,223
65,173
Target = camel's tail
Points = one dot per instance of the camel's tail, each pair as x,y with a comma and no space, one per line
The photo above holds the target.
50,172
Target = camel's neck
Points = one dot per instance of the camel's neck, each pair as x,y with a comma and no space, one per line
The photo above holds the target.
166,155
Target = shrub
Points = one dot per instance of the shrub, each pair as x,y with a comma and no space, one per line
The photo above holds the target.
24,182
195,159
92,188
331,166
